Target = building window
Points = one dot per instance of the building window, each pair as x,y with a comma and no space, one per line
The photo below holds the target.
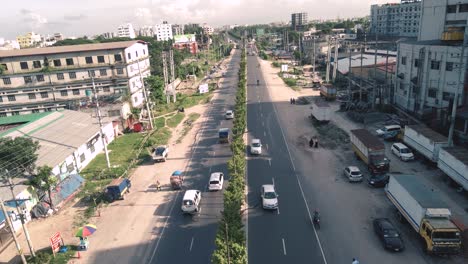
416,63
69,62
64,93
60,76
120,71
89,60
144,52
463,8
106,89
4,66
35,111
117,57
57,63
92,149
36,64
136,53
27,79
40,78
432,93
11,98
447,96
449,66
82,158
1,99
76,91
15,113
129,55
403,60
3,114
72,75
91,73
44,95
435,65
100,59
103,72
24,65
451,9
6,80
32,96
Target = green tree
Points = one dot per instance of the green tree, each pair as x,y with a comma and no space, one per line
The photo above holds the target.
45,181
78,41
18,155
156,86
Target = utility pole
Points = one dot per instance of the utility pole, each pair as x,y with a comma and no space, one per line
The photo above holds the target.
12,230
350,97
150,113
166,77
171,60
335,60
386,93
98,111
455,99
327,77
313,61
375,71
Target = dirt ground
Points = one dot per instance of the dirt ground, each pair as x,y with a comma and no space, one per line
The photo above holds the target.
135,213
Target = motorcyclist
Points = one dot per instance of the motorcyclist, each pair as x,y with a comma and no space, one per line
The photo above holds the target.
258,82
355,261
316,216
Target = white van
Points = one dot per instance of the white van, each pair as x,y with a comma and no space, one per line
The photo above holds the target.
216,181
388,129
191,201
402,151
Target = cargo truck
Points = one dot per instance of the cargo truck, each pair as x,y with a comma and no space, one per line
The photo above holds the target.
371,150
223,134
453,161
321,111
328,92
425,141
118,188
425,211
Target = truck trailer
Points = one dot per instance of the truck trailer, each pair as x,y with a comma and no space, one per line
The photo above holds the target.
371,150
321,111
328,92
425,141
453,161
425,211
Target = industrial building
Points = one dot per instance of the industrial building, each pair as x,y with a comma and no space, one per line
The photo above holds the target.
396,19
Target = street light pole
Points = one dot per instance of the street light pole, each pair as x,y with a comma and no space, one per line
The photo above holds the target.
455,99
98,111
12,230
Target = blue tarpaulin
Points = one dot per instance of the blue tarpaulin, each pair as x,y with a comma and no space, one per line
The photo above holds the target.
66,188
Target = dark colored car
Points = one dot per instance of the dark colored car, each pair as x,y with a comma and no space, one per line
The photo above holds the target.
378,180
388,234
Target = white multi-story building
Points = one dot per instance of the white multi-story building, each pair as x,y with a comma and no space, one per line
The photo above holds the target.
28,40
207,29
432,70
45,79
163,32
146,31
126,31
299,20
396,20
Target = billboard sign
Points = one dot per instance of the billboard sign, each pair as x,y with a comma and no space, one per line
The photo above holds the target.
203,88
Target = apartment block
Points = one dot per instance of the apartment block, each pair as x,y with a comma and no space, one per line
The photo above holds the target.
396,19
46,79
126,31
207,29
186,42
177,29
28,40
299,20
163,32
444,19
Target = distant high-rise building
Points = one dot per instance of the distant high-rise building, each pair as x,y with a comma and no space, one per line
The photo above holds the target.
207,29
146,31
28,40
58,36
298,20
163,32
398,20
108,35
177,29
126,31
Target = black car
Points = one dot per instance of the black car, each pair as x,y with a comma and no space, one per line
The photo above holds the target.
378,180
390,237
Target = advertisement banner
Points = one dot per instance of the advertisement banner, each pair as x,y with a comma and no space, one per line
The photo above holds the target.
56,242
203,88
284,68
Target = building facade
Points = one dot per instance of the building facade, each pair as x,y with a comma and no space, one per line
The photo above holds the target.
396,20
163,32
177,30
444,19
46,79
186,42
28,40
207,29
146,31
126,31
299,20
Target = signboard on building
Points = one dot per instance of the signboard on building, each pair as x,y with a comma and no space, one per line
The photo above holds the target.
203,88
56,242
284,67
184,38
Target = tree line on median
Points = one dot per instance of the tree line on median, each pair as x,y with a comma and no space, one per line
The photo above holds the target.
230,239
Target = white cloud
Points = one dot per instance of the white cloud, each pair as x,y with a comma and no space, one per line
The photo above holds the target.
144,16
34,20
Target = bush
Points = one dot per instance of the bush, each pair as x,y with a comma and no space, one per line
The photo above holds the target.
290,82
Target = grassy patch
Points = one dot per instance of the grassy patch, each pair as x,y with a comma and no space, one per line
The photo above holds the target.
188,124
276,64
159,122
160,137
175,120
45,256
183,100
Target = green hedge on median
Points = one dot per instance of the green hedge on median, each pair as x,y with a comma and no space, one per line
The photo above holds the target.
230,239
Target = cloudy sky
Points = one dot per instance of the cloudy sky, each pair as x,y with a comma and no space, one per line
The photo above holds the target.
80,17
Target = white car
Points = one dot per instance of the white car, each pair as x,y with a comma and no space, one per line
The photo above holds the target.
388,129
269,197
160,153
191,201
402,152
229,114
216,181
256,147
353,174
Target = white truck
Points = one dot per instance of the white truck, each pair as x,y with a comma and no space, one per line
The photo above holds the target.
453,161
424,209
321,111
425,141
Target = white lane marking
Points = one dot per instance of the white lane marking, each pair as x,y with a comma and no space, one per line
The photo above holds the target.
267,146
269,162
210,169
261,114
263,123
264,133
273,181
284,247
191,244
300,186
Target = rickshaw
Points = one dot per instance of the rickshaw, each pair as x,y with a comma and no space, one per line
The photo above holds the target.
177,180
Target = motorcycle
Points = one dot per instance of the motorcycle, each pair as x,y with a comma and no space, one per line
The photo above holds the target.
316,220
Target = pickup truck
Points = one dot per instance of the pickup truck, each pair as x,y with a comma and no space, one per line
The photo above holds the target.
118,188
425,211
371,150
160,153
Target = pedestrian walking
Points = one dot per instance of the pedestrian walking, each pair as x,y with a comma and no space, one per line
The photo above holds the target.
294,101
158,185
290,100
311,142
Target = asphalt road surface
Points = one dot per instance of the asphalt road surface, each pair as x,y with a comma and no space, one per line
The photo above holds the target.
286,235
191,239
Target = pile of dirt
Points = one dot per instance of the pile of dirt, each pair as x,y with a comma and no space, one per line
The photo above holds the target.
331,136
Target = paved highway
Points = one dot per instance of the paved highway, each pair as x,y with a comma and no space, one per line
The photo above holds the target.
286,235
191,239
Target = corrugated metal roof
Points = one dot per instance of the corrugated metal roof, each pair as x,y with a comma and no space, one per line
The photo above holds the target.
367,60
68,49
59,134
368,139
429,133
425,195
